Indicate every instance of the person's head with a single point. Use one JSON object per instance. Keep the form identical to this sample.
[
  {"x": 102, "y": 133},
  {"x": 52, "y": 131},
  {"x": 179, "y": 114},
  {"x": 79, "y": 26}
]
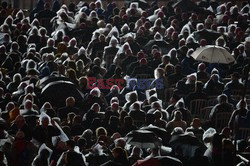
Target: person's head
[
  {"x": 70, "y": 102},
  {"x": 114, "y": 121},
  {"x": 119, "y": 153},
  {"x": 242, "y": 104},
  {"x": 128, "y": 121},
  {"x": 19, "y": 121},
  {"x": 70, "y": 144},
  {"x": 196, "y": 123},
  {"x": 45, "y": 121},
  {"x": 199, "y": 86},
  {"x": 120, "y": 142},
  {"x": 177, "y": 131},
  {"x": 217, "y": 141},
  {"x": 28, "y": 105},
  {"x": 114, "y": 100},
  {"x": 17, "y": 78},
  {"x": 101, "y": 131},
  {"x": 77, "y": 119},
  {"x": 95, "y": 92},
  {"x": 133, "y": 97},
  {"x": 20, "y": 135},
  {"x": 136, "y": 151},
  {"x": 135, "y": 106},
  {"x": 156, "y": 105},
  {"x": 96, "y": 107},
  {"x": 87, "y": 134},
  {"x": 177, "y": 115},
  {"x": 115, "y": 106},
  {"x": 44, "y": 154},
  {"x": 10, "y": 106},
  {"x": 50, "y": 42},
  {"x": 159, "y": 72},
  {"x": 235, "y": 76},
  {"x": 166, "y": 59},
  {"x": 222, "y": 98},
  {"x": 158, "y": 114}
]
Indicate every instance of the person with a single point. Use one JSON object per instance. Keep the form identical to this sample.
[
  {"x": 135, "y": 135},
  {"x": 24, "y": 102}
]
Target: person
[
  {"x": 176, "y": 122},
  {"x": 70, "y": 107},
  {"x": 21, "y": 125},
  {"x": 71, "y": 157},
  {"x": 42, "y": 159},
  {"x": 241, "y": 111},
  {"x": 135, "y": 155},
  {"x": 196, "y": 128},
  {"x": 43, "y": 133},
  {"x": 214, "y": 86},
  {"x": 119, "y": 158},
  {"x": 198, "y": 94},
  {"x": 222, "y": 106}
]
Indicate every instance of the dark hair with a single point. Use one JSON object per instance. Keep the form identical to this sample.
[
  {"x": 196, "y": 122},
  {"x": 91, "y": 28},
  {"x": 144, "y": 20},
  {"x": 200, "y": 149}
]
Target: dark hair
[{"x": 71, "y": 143}]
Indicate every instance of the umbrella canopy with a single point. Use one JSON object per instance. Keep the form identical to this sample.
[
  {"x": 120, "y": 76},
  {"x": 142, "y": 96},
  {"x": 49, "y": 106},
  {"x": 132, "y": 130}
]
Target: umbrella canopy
[
  {"x": 213, "y": 54},
  {"x": 185, "y": 5},
  {"x": 57, "y": 92},
  {"x": 187, "y": 143},
  {"x": 163, "y": 45},
  {"x": 160, "y": 132},
  {"x": 159, "y": 161},
  {"x": 207, "y": 34},
  {"x": 142, "y": 3},
  {"x": 44, "y": 81},
  {"x": 143, "y": 139}
]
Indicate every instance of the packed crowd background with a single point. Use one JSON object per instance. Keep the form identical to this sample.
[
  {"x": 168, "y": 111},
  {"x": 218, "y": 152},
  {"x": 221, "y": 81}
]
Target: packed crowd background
[{"x": 90, "y": 85}]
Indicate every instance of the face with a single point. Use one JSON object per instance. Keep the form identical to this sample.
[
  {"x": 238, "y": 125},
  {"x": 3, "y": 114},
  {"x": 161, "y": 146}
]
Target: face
[{"x": 45, "y": 122}]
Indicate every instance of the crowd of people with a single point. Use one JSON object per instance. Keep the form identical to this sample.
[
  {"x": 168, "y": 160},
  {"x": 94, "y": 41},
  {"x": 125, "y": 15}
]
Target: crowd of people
[{"x": 132, "y": 67}]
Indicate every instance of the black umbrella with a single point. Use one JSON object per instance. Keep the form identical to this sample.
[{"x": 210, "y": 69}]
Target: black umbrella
[
  {"x": 142, "y": 3},
  {"x": 207, "y": 34},
  {"x": 168, "y": 161},
  {"x": 187, "y": 143},
  {"x": 159, "y": 161},
  {"x": 185, "y": 5},
  {"x": 163, "y": 45},
  {"x": 57, "y": 92},
  {"x": 160, "y": 132},
  {"x": 143, "y": 139},
  {"x": 52, "y": 78}
]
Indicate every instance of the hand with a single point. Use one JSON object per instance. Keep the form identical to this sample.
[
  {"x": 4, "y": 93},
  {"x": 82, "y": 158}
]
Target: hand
[{"x": 53, "y": 122}]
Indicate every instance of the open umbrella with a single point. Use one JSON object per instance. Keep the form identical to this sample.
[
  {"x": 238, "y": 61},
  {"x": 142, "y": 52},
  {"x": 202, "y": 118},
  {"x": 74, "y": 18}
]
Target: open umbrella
[
  {"x": 57, "y": 92},
  {"x": 44, "y": 81},
  {"x": 162, "y": 44},
  {"x": 160, "y": 132},
  {"x": 187, "y": 143},
  {"x": 143, "y": 139},
  {"x": 185, "y": 5},
  {"x": 209, "y": 35},
  {"x": 142, "y": 3},
  {"x": 213, "y": 54}
]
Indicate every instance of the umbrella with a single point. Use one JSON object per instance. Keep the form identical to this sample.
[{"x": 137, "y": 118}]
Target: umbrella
[
  {"x": 213, "y": 54},
  {"x": 163, "y": 45},
  {"x": 143, "y": 139},
  {"x": 207, "y": 34},
  {"x": 57, "y": 92},
  {"x": 185, "y": 5},
  {"x": 142, "y": 3},
  {"x": 160, "y": 132},
  {"x": 44, "y": 81},
  {"x": 188, "y": 144},
  {"x": 159, "y": 161}
]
